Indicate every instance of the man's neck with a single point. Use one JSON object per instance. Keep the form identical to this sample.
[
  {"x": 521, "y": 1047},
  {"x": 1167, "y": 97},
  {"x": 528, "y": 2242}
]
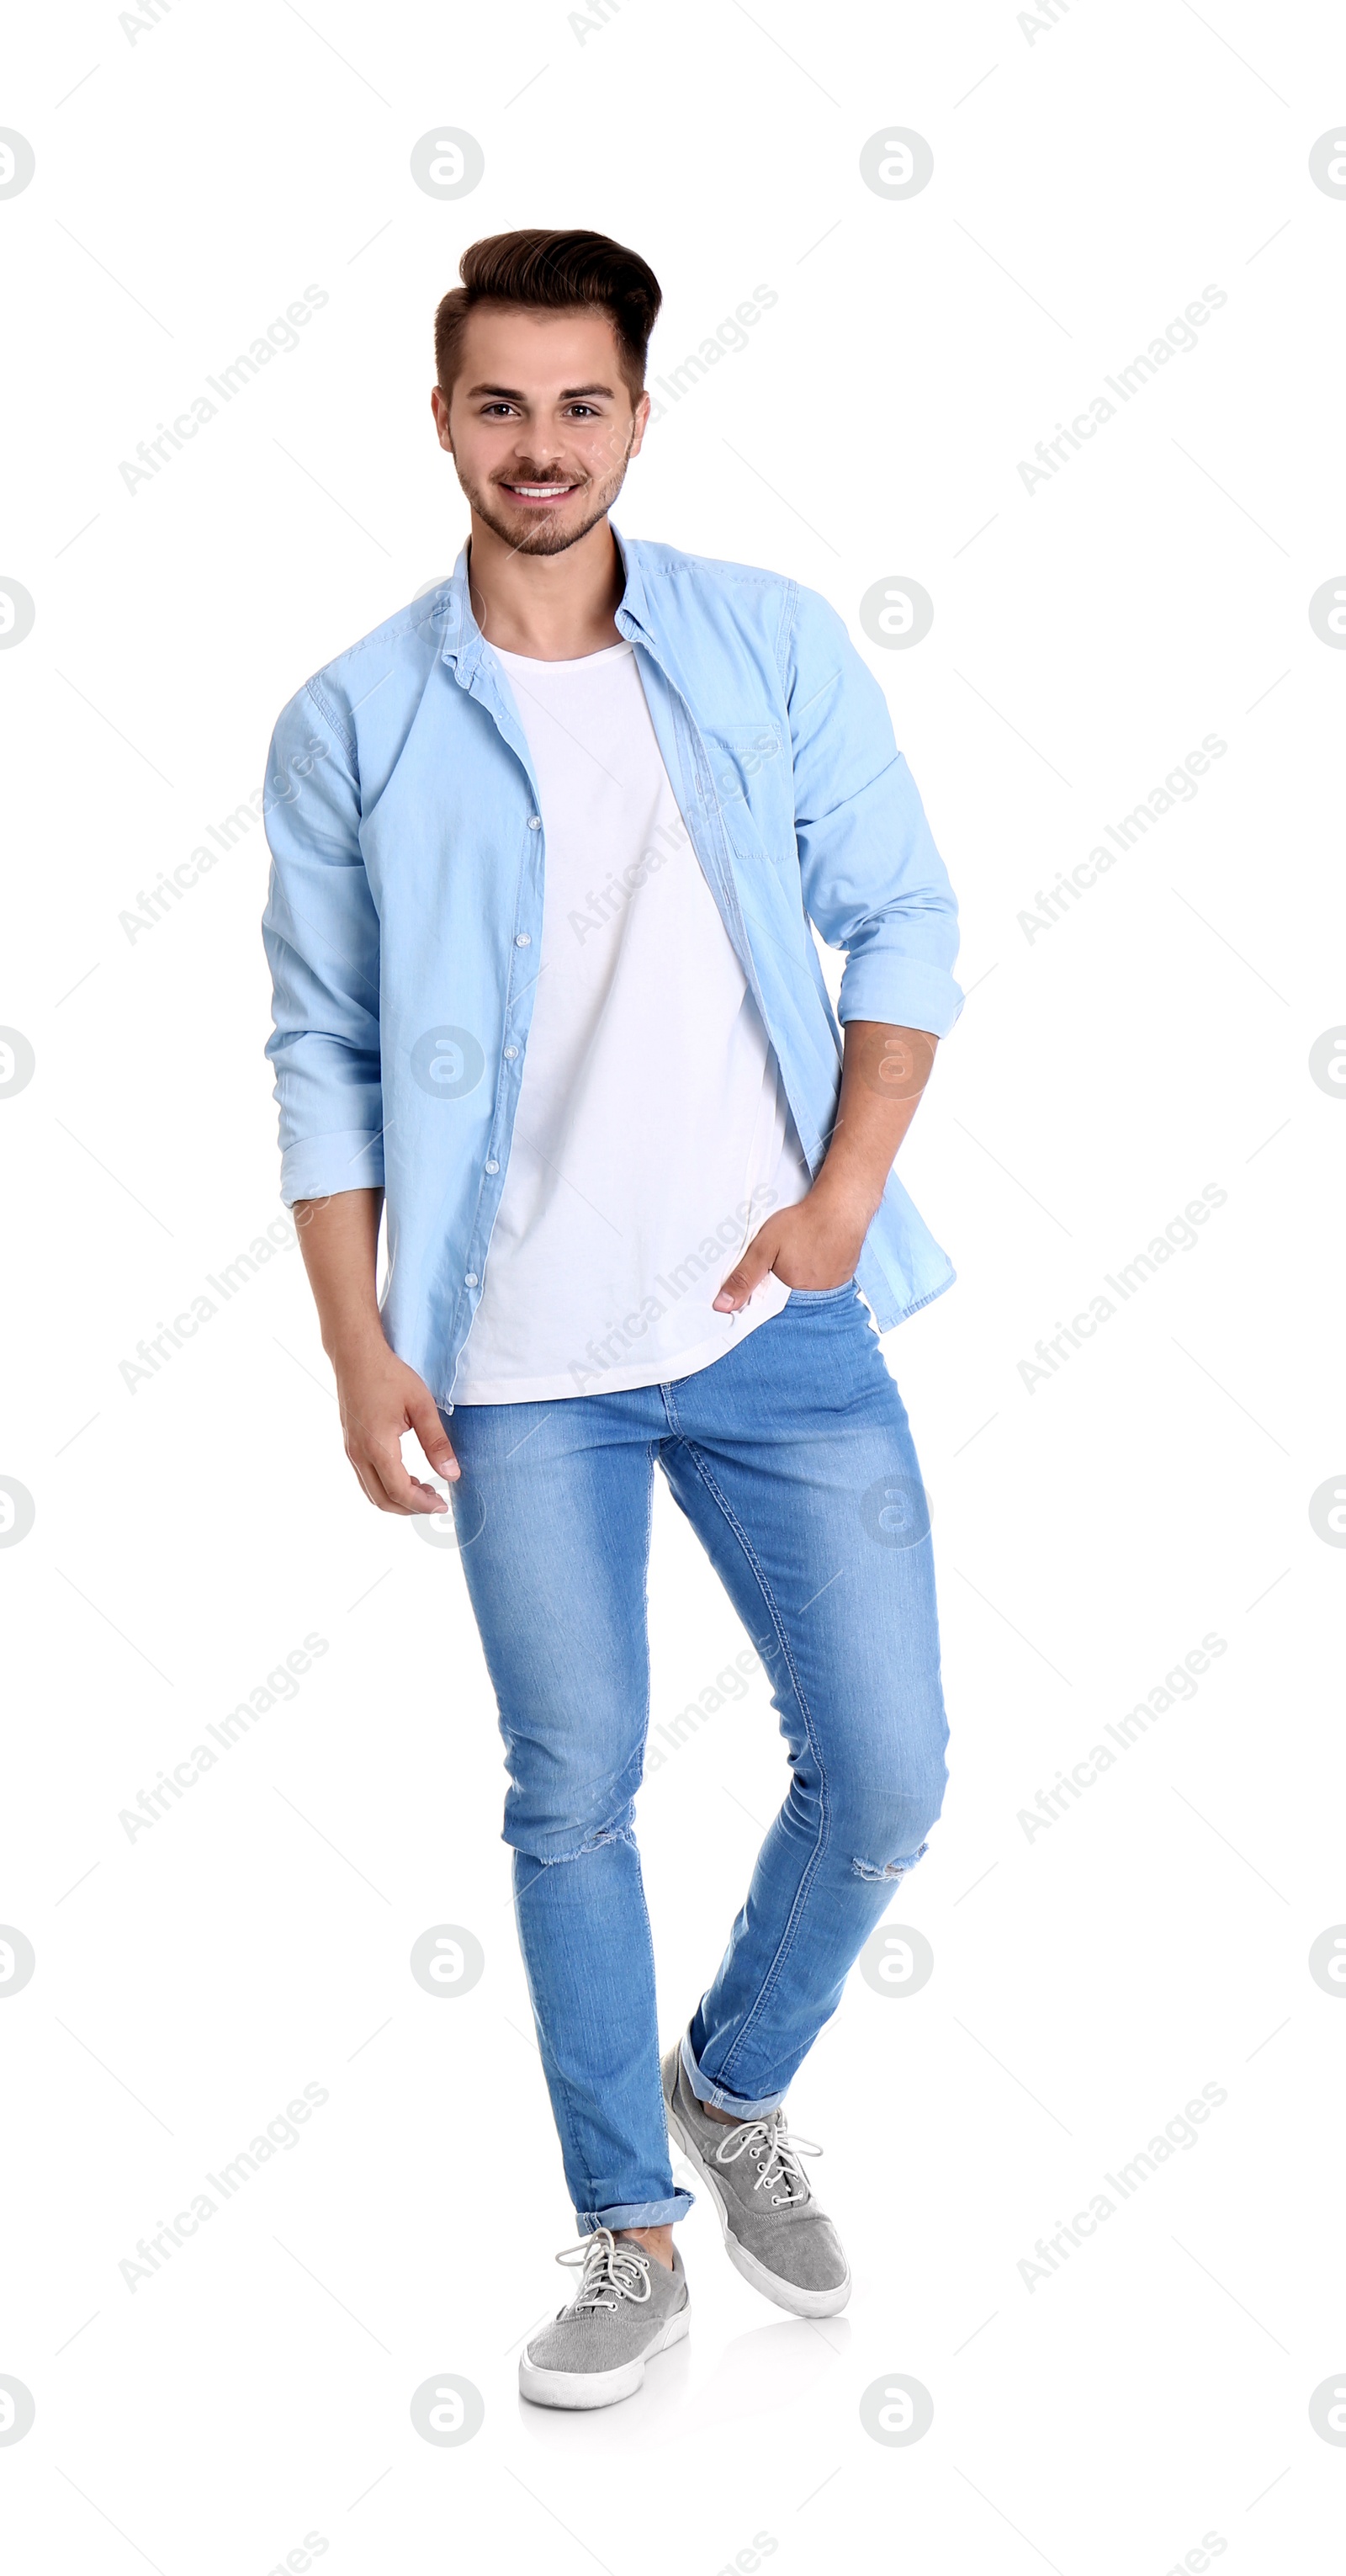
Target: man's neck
[{"x": 553, "y": 608}]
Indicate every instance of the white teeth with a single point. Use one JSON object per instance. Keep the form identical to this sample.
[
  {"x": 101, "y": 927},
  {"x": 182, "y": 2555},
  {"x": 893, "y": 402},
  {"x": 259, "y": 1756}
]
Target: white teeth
[{"x": 541, "y": 491}]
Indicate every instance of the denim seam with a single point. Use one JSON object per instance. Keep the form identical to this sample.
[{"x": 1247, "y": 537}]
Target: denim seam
[
  {"x": 812, "y": 1865},
  {"x": 929, "y": 1298},
  {"x": 658, "y": 2083},
  {"x": 652, "y": 1448},
  {"x": 625, "y": 1834},
  {"x": 570, "y": 2145},
  {"x": 332, "y": 721},
  {"x": 782, "y": 642}
]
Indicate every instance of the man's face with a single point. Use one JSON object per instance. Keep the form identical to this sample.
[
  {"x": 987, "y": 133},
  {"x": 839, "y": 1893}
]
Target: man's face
[{"x": 540, "y": 424}]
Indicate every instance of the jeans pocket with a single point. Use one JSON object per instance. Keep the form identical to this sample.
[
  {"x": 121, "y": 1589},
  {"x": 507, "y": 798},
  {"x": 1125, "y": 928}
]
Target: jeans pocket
[{"x": 823, "y": 1296}]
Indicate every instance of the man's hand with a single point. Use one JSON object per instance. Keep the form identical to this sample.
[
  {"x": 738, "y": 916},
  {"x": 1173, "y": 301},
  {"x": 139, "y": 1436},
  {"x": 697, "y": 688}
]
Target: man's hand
[
  {"x": 813, "y": 1245},
  {"x": 380, "y": 1397},
  {"x": 818, "y": 1243}
]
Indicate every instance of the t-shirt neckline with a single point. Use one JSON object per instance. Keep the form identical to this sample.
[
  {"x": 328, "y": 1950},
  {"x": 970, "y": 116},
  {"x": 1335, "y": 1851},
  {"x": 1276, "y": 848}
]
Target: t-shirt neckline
[{"x": 581, "y": 661}]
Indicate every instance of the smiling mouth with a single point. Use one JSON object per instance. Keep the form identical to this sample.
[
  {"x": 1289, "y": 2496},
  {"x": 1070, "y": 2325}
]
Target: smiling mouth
[{"x": 539, "y": 492}]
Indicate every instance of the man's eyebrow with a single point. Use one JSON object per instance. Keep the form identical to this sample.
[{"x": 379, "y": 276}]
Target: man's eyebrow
[{"x": 510, "y": 393}]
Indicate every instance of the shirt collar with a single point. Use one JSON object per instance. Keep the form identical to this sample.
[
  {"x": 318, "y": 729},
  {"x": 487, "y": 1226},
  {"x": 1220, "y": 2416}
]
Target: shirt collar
[
  {"x": 632, "y": 608},
  {"x": 460, "y": 626}
]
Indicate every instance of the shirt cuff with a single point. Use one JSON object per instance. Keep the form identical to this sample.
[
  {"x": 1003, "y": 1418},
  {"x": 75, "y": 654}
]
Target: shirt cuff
[
  {"x": 901, "y": 992},
  {"x": 320, "y": 1167}
]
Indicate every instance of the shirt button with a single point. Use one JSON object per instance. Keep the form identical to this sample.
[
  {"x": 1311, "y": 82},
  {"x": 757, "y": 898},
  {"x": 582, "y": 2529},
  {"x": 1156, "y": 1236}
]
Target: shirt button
[
  {"x": 493, "y": 1167},
  {"x": 510, "y": 1053},
  {"x": 469, "y": 1279},
  {"x": 535, "y": 822},
  {"x": 522, "y": 940}
]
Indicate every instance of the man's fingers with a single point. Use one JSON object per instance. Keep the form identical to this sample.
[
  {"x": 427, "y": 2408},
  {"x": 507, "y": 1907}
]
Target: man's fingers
[
  {"x": 747, "y": 1274},
  {"x": 374, "y": 1469},
  {"x": 409, "y": 1494},
  {"x": 375, "y": 1419},
  {"x": 380, "y": 1470},
  {"x": 434, "y": 1439}
]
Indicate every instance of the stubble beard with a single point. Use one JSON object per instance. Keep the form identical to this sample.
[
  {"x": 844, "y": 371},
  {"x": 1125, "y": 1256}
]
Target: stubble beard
[{"x": 541, "y": 536}]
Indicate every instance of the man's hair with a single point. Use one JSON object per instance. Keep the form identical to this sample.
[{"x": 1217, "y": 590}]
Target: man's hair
[{"x": 550, "y": 272}]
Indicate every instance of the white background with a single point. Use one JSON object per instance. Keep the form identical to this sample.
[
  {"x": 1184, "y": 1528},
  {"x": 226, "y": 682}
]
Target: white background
[{"x": 1090, "y": 178}]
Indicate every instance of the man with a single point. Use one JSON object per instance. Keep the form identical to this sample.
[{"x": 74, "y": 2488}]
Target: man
[{"x": 548, "y": 846}]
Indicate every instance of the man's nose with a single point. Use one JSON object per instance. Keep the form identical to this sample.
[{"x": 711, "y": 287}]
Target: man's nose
[{"x": 539, "y": 447}]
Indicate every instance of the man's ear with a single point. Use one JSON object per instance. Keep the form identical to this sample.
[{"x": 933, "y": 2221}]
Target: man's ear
[{"x": 441, "y": 425}]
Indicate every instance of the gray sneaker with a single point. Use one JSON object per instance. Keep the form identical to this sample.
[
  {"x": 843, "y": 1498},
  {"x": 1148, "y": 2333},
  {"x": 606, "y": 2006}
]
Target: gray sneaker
[
  {"x": 774, "y": 2232},
  {"x": 627, "y": 2308}
]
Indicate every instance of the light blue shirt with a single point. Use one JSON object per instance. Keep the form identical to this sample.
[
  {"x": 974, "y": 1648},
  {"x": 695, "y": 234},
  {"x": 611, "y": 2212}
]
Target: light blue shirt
[{"x": 404, "y": 919}]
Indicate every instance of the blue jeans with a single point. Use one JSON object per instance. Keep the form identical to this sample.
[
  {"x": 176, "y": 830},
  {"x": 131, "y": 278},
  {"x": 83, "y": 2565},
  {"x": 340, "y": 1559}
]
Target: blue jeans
[{"x": 792, "y": 1458}]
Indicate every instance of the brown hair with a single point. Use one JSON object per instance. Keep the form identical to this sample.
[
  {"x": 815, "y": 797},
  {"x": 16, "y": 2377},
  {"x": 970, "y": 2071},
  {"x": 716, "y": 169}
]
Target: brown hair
[{"x": 550, "y": 271}]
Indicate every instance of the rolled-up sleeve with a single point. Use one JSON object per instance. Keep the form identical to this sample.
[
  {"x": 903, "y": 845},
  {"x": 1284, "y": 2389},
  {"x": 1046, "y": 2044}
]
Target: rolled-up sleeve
[
  {"x": 873, "y": 881},
  {"x": 320, "y": 930}
]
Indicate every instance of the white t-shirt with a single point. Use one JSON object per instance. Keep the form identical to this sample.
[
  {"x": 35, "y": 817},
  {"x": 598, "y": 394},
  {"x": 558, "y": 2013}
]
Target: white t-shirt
[{"x": 652, "y": 1135}]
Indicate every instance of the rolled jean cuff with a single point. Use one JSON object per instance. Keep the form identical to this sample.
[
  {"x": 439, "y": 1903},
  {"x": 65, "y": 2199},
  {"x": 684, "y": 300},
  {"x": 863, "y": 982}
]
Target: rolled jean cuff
[
  {"x": 716, "y": 2095},
  {"x": 635, "y": 2213}
]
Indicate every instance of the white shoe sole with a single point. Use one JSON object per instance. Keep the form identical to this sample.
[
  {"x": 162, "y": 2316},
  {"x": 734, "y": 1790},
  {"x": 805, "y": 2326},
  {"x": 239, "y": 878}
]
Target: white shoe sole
[
  {"x": 784, "y": 2294},
  {"x": 578, "y": 2389}
]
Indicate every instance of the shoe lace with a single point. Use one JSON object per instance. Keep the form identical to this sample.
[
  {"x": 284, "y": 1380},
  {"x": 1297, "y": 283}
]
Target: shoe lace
[
  {"x": 610, "y": 2271},
  {"x": 769, "y": 2143}
]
